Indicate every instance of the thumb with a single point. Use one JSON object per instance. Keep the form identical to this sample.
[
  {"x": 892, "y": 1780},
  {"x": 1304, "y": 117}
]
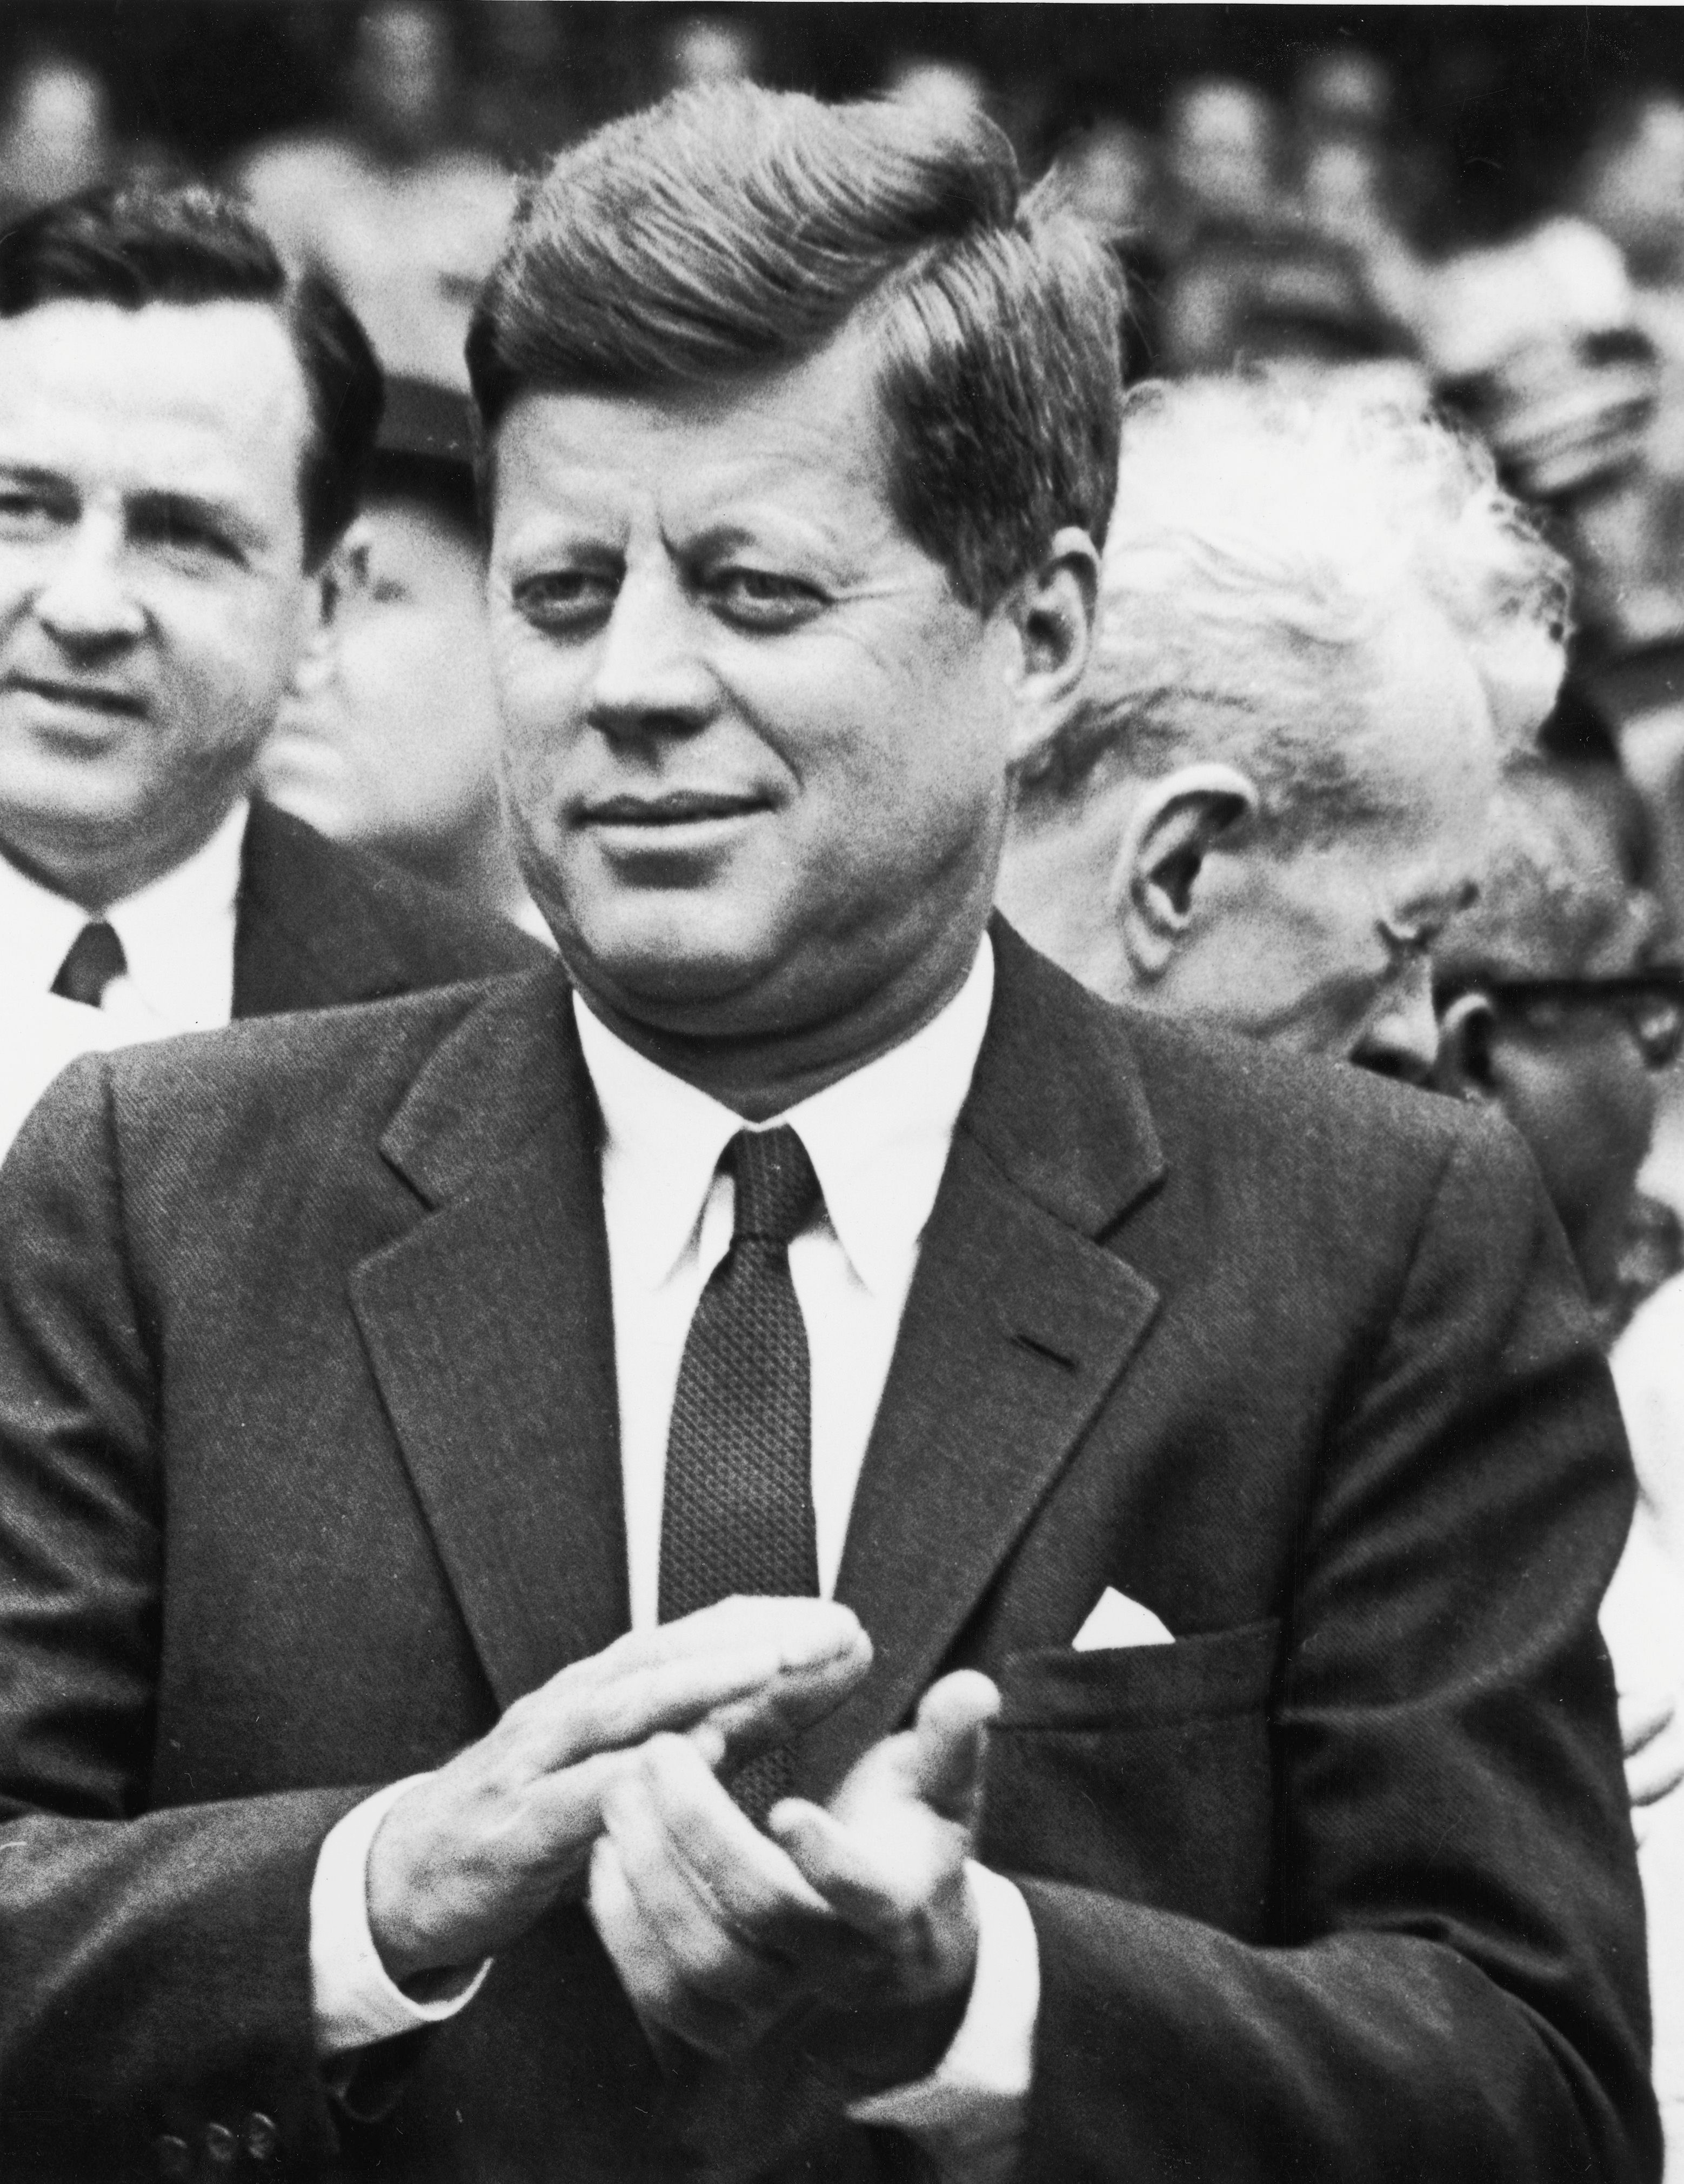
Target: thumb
[{"x": 950, "y": 1740}]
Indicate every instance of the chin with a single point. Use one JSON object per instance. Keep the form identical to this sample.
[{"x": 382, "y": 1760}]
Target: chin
[{"x": 663, "y": 968}]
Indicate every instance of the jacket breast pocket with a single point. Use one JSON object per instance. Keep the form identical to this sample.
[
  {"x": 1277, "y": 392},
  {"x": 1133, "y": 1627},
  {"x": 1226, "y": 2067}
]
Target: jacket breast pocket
[{"x": 1144, "y": 1771}]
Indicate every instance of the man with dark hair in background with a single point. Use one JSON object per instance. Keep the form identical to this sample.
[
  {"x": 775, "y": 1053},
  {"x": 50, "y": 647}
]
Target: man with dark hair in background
[
  {"x": 1222, "y": 1429},
  {"x": 390, "y": 739},
  {"x": 183, "y": 432}
]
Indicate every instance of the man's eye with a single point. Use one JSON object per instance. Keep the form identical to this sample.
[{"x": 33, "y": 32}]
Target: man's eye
[
  {"x": 566, "y": 601},
  {"x": 762, "y": 598},
  {"x": 24, "y": 512},
  {"x": 185, "y": 539}
]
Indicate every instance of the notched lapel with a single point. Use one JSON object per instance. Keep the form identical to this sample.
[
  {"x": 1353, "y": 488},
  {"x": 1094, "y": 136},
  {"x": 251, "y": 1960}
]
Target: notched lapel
[
  {"x": 1019, "y": 1323},
  {"x": 489, "y": 1327}
]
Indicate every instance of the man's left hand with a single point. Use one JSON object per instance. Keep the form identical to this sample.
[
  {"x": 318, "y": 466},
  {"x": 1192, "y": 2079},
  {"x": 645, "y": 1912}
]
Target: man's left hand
[{"x": 858, "y": 1917}]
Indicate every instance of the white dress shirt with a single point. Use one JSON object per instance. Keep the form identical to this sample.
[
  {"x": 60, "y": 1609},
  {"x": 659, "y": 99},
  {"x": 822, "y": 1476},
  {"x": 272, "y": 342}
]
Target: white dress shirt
[
  {"x": 177, "y": 936},
  {"x": 39, "y": 1035},
  {"x": 878, "y": 1141}
]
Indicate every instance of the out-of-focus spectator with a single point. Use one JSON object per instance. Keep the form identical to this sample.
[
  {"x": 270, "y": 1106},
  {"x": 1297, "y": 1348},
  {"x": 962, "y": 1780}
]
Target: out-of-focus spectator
[
  {"x": 183, "y": 432},
  {"x": 942, "y": 89},
  {"x": 401, "y": 212},
  {"x": 390, "y": 738},
  {"x": 523, "y": 103},
  {"x": 702, "y": 49},
  {"x": 1556, "y": 1011},
  {"x": 55, "y": 133},
  {"x": 1322, "y": 620}
]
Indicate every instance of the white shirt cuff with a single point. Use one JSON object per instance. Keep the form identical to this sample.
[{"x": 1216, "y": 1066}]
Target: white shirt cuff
[
  {"x": 355, "y": 2002},
  {"x": 968, "y": 2113}
]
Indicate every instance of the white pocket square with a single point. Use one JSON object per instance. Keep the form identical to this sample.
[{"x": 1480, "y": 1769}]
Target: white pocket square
[{"x": 1117, "y": 1620}]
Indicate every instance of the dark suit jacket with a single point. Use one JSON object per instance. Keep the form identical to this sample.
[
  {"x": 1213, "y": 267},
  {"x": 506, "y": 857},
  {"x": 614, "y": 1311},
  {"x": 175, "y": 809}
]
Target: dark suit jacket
[
  {"x": 317, "y": 923},
  {"x": 309, "y": 1423}
]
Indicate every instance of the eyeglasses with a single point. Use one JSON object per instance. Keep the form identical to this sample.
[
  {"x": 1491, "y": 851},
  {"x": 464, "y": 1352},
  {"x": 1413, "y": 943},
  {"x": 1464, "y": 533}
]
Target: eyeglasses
[{"x": 1651, "y": 1003}]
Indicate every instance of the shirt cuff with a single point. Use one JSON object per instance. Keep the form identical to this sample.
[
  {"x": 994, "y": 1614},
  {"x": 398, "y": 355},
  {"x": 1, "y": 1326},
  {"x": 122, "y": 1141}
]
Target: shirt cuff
[
  {"x": 968, "y": 2113},
  {"x": 355, "y": 2000}
]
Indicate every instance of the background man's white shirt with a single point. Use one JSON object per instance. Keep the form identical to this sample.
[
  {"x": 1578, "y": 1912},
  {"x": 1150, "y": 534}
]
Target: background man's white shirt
[{"x": 177, "y": 936}]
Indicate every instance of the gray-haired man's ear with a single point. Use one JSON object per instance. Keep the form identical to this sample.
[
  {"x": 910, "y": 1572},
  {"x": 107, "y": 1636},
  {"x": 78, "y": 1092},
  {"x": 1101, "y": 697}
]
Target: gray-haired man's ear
[
  {"x": 1466, "y": 1067},
  {"x": 1171, "y": 831},
  {"x": 340, "y": 582}
]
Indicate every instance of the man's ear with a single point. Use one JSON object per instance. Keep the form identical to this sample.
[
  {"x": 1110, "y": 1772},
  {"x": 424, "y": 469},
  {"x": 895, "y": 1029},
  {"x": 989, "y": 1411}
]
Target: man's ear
[
  {"x": 337, "y": 586},
  {"x": 1466, "y": 1067},
  {"x": 1159, "y": 862},
  {"x": 1053, "y": 611}
]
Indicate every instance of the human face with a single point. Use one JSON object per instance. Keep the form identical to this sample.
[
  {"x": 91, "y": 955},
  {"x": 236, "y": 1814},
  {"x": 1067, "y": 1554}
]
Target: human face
[
  {"x": 153, "y": 599},
  {"x": 1575, "y": 1080},
  {"x": 1327, "y": 947},
  {"x": 397, "y": 746},
  {"x": 756, "y": 747}
]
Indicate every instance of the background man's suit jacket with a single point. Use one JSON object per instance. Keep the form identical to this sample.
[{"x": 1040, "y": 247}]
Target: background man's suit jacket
[
  {"x": 307, "y": 1422},
  {"x": 317, "y": 923}
]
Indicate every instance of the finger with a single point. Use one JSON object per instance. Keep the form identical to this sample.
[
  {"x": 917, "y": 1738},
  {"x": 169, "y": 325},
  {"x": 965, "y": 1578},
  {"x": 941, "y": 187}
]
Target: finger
[
  {"x": 1648, "y": 1788},
  {"x": 655, "y": 1982},
  {"x": 561, "y": 1722},
  {"x": 949, "y": 1742},
  {"x": 798, "y": 1632},
  {"x": 869, "y": 1892},
  {"x": 723, "y": 1895}
]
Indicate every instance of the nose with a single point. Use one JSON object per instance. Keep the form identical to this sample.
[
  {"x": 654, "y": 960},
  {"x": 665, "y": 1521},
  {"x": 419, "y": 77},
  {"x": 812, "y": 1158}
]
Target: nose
[
  {"x": 84, "y": 602},
  {"x": 651, "y": 675},
  {"x": 1401, "y": 1038}
]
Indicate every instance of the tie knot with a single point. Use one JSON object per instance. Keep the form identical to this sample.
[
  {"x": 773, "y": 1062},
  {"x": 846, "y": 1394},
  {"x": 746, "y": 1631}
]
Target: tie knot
[
  {"x": 96, "y": 957},
  {"x": 776, "y": 1187}
]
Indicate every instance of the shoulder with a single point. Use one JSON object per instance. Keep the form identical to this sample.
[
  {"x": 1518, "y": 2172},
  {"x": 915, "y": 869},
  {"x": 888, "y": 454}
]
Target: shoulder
[
  {"x": 320, "y": 888},
  {"x": 1248, "y": 1139}
]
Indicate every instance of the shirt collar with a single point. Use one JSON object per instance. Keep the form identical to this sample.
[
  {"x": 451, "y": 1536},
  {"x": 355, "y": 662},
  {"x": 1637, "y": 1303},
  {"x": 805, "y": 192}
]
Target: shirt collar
[
  {"x": 166, "y": 929},
  {"x": 878, "y": 1139}
]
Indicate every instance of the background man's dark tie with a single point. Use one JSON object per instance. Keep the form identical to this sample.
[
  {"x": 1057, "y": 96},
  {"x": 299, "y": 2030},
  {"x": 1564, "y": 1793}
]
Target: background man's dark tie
[
  {"x": 95, "y": 959},
  {"x": 738, "y": 1514}
]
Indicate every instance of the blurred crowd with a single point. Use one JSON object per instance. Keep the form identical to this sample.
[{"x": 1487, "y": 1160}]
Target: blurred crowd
[{"x": 1302, "y": 233}]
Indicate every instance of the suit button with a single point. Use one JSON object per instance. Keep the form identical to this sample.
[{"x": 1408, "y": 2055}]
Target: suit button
[
  {"x": 262, "y": 2138},
  {"x": 175, "y": 2156},
  {"x": 220, "y": 2144}
]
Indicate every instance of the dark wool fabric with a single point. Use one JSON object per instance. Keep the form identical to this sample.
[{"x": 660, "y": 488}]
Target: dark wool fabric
[{"x": 738, "y": 1514}]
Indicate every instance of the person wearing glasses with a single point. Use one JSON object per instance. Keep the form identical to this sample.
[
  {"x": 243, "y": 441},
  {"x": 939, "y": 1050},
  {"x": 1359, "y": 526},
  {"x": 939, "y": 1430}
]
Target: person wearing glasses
[{"x": 1559, "y": 1007}]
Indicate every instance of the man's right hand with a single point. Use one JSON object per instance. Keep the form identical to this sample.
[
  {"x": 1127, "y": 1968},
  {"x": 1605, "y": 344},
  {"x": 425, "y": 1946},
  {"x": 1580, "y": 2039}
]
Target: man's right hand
[{"x": 472, "y": 1855}]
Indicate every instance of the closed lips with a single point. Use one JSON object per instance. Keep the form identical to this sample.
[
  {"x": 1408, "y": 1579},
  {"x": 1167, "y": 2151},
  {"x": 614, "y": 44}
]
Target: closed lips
[
  {"x": 95, "y": 696},
  {"x": 675, "y": 809}
]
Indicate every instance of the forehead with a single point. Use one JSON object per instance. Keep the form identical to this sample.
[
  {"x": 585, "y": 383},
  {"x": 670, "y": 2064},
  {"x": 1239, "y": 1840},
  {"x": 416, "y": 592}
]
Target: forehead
[
  {"x": 205, "y": 398},
  {"x": 801, "y": 446}
]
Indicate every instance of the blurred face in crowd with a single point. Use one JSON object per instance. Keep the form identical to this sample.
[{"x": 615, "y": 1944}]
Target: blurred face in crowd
[
  {"x": 756, "y": 745},
  {"x": 154, "y": 598},
  {"x": 1573, "y": 1070},
  {"x": 1173, "y": 889},
  {"x": 394, "y": 742}
]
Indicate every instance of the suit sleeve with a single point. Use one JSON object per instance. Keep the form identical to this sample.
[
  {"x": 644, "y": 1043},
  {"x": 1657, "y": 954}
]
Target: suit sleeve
[
  {"x": 154, "y": 1969},
  {"x": 1455, "y": 1985}
]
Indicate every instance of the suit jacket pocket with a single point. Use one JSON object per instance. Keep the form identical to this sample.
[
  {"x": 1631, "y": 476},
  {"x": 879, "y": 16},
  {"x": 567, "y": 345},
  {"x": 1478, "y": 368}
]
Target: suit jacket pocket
[{"x": 1144, "y": 1771}]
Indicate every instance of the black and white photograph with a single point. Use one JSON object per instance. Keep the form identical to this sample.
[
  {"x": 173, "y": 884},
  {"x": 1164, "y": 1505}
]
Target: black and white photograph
[{"x": 841, "y": 1119}]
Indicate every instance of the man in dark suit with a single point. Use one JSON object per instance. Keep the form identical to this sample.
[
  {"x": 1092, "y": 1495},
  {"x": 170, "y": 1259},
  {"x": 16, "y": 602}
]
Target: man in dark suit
[
  {"x": 1210, "y": 1446},
  {"x": 183, "y": 430}
]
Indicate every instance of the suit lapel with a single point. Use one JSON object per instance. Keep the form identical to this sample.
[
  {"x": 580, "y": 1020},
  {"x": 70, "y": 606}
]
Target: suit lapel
[
  {"x": 489, "y": 1327},
  {"x": 1018, "y": 1325}
]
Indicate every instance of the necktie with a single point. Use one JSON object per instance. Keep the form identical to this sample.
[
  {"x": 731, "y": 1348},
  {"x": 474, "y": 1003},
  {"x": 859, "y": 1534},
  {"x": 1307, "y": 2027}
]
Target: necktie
[
  {"x": 95, "y": 958},
  {"x": 738, "y": 1512}
]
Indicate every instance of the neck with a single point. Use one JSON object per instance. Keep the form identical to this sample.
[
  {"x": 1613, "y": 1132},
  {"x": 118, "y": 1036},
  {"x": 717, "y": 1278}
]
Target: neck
[
  {"x": 101, "y": 872},
  {"x": 762, "y": 1074}
]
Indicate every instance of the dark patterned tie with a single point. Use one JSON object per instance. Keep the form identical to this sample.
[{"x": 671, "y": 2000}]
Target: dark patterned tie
[
  {"x": 738, "y": 1513},
  {"x": 95, "y": 958}
]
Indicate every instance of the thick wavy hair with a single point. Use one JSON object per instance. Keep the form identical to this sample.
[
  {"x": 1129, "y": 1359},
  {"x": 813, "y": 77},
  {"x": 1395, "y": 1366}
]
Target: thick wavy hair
[
  {"x": 729, "y": 231},
  {"x": 143, "y": 244},
  {"x": 1265, "y": 530}
]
